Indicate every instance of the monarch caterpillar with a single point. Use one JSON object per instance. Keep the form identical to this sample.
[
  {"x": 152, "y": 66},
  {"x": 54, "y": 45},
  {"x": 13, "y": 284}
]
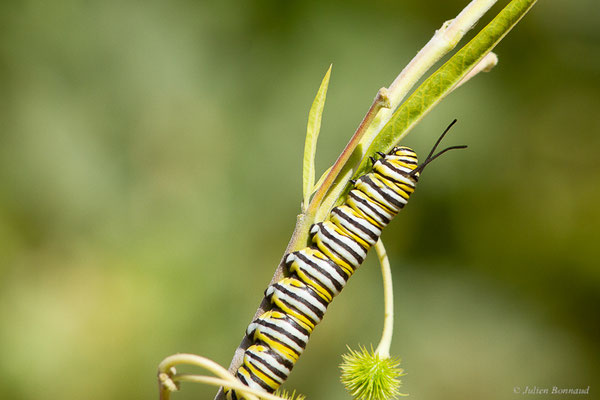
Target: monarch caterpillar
[{"x": 317, "y": 273}]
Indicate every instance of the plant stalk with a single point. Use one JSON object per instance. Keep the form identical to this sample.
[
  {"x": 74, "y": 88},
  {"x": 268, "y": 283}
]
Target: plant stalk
[{"x": 383, "y": 348}]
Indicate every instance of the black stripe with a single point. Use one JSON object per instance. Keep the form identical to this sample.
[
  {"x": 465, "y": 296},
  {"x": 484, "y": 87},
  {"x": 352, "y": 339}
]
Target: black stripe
[
  {"x": 285, "y": 333},
  {"x": 393, "y": 186},
  {"x": 340, "y": 271},
  {"x": 358, "y": 226},
  {"x": 315, "y": 294},
  {"x": 336, "y": 267},
  {"x": 349, "y": 231},
  {"x": 260, "y": 382},
  {"x": 293, "y": 295},
  {"x": 286, "y": 363},
  {"x": 258, "y": 361},
  {"x": 292, "y": 321},
  {"x": 370, "y": 207},
  {"x": 398, "y": 171},
  {"x": 406, "y": 160},
  {"x": 288, "y": 304},
  {"x": 342, "y": 245},
  {"x": 342, "y": 232},
  {"x": 312, "y": 280},
  {"x": 367, "y": 180},
  {"x": 241, "y": 377},
  {"x": 413, "y": 159},
  {"x": 411, "y": 182},
  {"x": 287, "y": 346}
]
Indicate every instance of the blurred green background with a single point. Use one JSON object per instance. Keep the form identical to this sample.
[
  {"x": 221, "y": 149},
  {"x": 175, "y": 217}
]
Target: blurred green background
[{"x": 150, "y": 163}]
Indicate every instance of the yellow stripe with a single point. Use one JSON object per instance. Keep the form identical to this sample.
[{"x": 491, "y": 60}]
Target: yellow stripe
[
  {"x": 348, "y": 268},
  {"x": 348, "y": 233},
  {"x": 320, "y": 289},
  {"x": 350, "y": 204},
  {"x": 403, "y": 164},
  {"x": 293, "y": 312},
  {"x": 285, "y": 351}
]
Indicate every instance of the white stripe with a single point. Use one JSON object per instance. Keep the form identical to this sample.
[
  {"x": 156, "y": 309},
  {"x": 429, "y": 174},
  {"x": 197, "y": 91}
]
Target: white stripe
[
  {"x": 262, "y": 359},
  {"x": 371, "y": 192},
  {"x": 286, "y": 326},
  {"x": 279, "y": 295},
  {"x": 365, "y": 210},
  {"x": 351, "y": 214},
  {"x": 338, "y": 234},
  {"x": 395, "y": 175},
  {"x": 390, "y": 190},
  {"x": 336, "y": 248}
]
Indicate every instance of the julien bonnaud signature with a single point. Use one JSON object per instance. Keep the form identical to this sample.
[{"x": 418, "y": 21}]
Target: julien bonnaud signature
[{"x": 551, "y": 390}]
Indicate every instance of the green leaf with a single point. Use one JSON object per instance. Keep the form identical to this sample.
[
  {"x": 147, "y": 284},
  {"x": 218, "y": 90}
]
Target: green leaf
[
  {"x": 312, "y": 134},
  {"x": 441, "y": 83}
]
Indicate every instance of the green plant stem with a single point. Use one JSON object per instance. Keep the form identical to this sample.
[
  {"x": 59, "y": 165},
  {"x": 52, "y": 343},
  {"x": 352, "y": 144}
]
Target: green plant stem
[{"x": 383, "y": 348}]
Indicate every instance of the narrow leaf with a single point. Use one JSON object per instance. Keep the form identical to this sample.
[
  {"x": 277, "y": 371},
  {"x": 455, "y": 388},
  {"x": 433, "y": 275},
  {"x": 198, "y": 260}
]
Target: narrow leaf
[{"x": 310, "y": 145}]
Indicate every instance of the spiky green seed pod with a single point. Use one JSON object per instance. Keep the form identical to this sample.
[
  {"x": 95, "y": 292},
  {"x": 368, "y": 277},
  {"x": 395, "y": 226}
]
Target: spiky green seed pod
[
  {"x": 368, "y": 376},
  {"x": 284, "y": 394}
]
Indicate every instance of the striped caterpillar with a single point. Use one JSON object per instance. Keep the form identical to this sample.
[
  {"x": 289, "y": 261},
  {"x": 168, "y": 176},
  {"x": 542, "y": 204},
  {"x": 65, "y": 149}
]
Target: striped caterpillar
[{"x": 317, "y": 273}]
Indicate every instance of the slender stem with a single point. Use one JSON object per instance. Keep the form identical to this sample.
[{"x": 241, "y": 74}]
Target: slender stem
[{"x": 383, "y": 348}]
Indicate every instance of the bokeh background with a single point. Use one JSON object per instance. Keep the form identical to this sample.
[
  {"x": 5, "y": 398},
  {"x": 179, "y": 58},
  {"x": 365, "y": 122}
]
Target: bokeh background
[{"x": 150, "y": 168}]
